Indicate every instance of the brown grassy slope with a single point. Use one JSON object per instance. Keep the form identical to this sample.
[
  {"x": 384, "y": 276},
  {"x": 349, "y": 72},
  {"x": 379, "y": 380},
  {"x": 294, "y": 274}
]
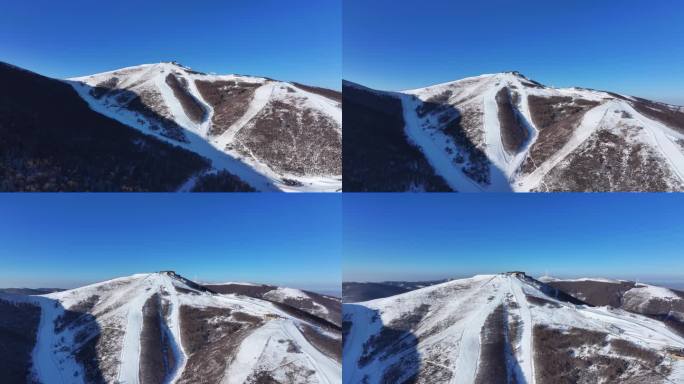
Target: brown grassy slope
[
  {"x": 556, "y": 119},
  {"x": 514, "y": 134},
  {"x": 192, "y": 107},
  {"x": 293, "y": 140},
  {"x": 229, "y": 99},
  {"x": 154, "y": 348},
  {"x": 607, "y": 162},
  {"x": 325, "y": 92},
  {"x": 492, "y": 361},
  {"x": 211, "y": 337},
  {"x": 673, "y": 118},
  {"x": 556, "y": 363}
]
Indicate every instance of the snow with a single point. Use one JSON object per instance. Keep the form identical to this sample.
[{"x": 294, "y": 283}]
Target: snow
[
  {"x": 172, "y": 327},
  {"x": 262, "y": 351},
  {"x": 130, "y": 352},
  {"x": 364, "y": 326},
  {"x": 663, "y": 139},
  {"x": 468, "y": 358},
  {"x": 644, "y": 291},
  {"x": 282, "y": 294},
  {"x": 480, "y": 90},
  {"x": 436, "y": 88},
  {"x": 286, "y": 293},
  {"x": 433, "y": 148},
  {"x": 597, "y": 279},
  {"x": 49, "y": 362},
  {"x": 526, "y": 355},
  {"x": 323, "y": 104},
  {"x": 236, "y": 283}
]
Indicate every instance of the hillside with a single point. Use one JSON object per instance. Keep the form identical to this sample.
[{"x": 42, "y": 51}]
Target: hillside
[
  {"x": 161, "y": 328},
  {"x": 504, "y": 132}
]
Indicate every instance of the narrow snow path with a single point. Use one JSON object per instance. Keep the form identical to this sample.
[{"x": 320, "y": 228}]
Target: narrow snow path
[
  {"x": 206, "y": 124},
  {"x": 45, "y": 363},
  {"x": 469, "y": 348},
  {"x": 590, "y": 123},
  {"x": 324, "y": 104},
  {"x": 174, "y": 328},
  {"x": 440, "y": 160},
  {"x": 670, "y": 150},
  {"x": 247, "y": 356},
  {"x": 502, "y": 164},
  {"x": 174, "y": 106},
  {"x": 261, "y": 97},
  {"x": 638, "y": 327},
  {"x": 191, "y": 182},
  {"x": 255, "y": 350},
  {"x": 364, "y": 325},
  {"x": 129, "y": 367},
  {"x": 327, "y": 370},
  {"x": 525, "y": 356}
]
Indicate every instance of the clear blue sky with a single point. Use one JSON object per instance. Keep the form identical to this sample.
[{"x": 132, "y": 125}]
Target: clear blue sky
[
  {"x": 413, "y": 237},
  {"x": 288, "y": 40},
  {"x": 631, "y": 46},
  {"x": 67, "y": 240}
]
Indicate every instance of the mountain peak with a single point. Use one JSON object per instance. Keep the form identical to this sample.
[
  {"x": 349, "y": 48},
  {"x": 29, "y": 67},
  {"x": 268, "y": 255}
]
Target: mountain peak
[
  {"x": 518, "y": 76},
  {"x": 176, "y": 64},
  {"x": 515, "y": 73},
  {"x": 515, "y": 273}
]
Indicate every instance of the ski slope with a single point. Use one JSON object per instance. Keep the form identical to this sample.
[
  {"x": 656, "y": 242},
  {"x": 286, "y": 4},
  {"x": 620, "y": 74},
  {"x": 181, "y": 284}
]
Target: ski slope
[
  {"x": 117, "y": 305},
  {"x": 475, "y": 98},
  {"x": 149, "y": 81},
  {"x": 445, "y": 324}
]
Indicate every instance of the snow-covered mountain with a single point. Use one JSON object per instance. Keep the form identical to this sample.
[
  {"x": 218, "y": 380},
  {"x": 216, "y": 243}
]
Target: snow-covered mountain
[
  {"x": 505, "y": 328},
  {"x": 163, "y": 328},
  {"x": 646, "y": 299},
  {"x": 271, "y": 134},
  {"x": 321, "y": 306},
  {"x": 505, "y": 132}
]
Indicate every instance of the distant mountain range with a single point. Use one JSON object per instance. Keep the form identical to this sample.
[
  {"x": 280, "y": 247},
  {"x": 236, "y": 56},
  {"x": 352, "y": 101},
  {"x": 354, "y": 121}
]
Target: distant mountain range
[
  {"x": 30, "y": 291},
  {"x": 356, "y": 291},
  {"x": 512, "y": 328},
  {"x": 165, "y": 127},
  {"x": 505, "y": 132},
  {"x": 161, "y": 328}
]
